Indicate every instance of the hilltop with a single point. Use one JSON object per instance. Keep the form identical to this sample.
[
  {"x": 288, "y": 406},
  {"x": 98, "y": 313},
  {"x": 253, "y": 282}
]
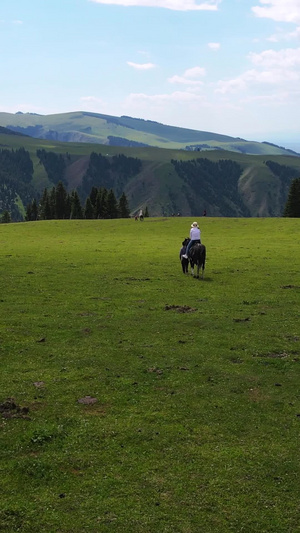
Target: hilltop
[{"x": 81, "y": 126}]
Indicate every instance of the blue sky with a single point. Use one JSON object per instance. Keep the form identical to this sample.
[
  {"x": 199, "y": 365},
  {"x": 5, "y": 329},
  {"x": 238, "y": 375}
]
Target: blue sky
[{"x": 227, "y": 66}]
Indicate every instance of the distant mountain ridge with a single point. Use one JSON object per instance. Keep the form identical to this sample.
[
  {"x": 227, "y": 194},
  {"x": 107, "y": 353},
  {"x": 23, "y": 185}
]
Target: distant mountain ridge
[
  {"x": 88, "y": 127},
  {"x": 7, "y": 131},
  {"x": 167, "y": 181}
]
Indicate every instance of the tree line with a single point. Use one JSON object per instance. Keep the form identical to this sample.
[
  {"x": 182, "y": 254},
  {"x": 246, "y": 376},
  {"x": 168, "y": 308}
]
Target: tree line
[
  {"x": 16, "y": 170},
  {"x": 17, "y": 188},
  {"x": 57, "y": 203},
  {"x": 292, "y": 206}
]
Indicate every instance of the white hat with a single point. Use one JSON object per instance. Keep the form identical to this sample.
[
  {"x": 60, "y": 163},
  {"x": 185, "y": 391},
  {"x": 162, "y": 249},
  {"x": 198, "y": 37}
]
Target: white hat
[{"x": 194, "y": 225}]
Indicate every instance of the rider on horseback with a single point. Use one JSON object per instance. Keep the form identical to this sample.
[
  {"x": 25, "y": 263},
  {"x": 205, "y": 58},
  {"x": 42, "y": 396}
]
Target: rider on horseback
[{"x": 194, "y": 236}]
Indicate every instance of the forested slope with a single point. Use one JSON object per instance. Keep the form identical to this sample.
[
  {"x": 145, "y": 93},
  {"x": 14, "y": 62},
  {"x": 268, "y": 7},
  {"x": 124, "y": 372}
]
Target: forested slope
[{"x": 167, "y": 181}]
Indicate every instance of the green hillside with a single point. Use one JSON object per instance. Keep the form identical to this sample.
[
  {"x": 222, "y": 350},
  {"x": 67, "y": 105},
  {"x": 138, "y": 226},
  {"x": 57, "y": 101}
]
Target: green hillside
[
  {"x": 127, "y": 131},
  {"x": 168, "y": 181}
]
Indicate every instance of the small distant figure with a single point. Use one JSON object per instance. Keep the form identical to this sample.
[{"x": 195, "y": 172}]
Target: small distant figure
[
  {"x": 184, "y": 261},
  {"x": 141, "y": 216},
  {"x": 136, "y": 217},
  {"x": 179, "y": 214},
  {"x": 204, "y": 213}
]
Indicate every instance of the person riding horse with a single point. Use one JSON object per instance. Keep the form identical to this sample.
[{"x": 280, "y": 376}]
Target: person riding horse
[{"x": 195, "y": 238}]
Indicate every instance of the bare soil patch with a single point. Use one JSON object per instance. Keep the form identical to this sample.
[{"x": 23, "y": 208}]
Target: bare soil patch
[
  {"x": 180, "y": 308},
  {"x": 10, "y": 409}
]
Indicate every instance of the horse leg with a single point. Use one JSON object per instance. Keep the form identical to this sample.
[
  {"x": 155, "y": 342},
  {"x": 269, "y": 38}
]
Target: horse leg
[{"x": 192, "y": 269}]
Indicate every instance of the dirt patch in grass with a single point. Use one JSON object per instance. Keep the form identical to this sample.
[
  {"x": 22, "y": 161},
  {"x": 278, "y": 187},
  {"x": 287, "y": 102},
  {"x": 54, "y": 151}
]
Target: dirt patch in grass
[
  {"x": 273, "y": 355},
  {"x": 256, "y": 395},
  {"x": 87, "y": 400},
  {"x": 294, "y": 338},
  {"x": 10, "y": 409},
  {"x": 86, "y": 331},
  {"x": 132, "y": 279},
  {"x": 180, "y": 308},
  {"x": 39, "y": 384},
  {"x": 155, "y": 370}
]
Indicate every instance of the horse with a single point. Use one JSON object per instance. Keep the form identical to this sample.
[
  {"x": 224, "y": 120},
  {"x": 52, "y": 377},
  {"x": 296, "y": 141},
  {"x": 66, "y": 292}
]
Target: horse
[
  {"x": 197, "y": 256},
  {"x": 184, "y": 261}
]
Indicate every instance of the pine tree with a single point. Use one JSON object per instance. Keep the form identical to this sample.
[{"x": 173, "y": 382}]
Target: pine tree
[
  {"x": 68, "y": 206},
  {"x": 47, "y": 210},
  {"x": 93, "y": 196},
  {"x": 76, "y": 209},
  {"x": 101, "y": 203},
  {"x": 123, "y": 207},
  {"x": 34, "y": 210},
  {"x": 44, "y": 207},
  {"x": 28, "y": 213},
  {"x": 60, "y": 201},
  {"x": 292, "y": 206},
  {"x": 5, "y": 218},
  {"x": 52, "y": 202},
  {"x": 112, "y": 205},
  {"x": 89, "y": 211}
]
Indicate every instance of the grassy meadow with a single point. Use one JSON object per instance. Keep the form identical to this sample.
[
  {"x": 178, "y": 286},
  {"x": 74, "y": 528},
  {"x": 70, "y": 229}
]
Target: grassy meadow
[{"x": 134, "y": 398}]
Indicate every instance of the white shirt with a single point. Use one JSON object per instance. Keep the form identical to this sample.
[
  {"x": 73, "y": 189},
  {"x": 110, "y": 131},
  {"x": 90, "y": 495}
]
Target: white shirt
[{"x": 195, "y": 234}]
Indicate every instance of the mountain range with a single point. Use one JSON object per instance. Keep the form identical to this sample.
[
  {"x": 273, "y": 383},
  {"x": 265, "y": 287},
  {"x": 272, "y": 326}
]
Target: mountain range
[
  {"x": 127, "y": 131},
  {"x": 178, "y": 170}
]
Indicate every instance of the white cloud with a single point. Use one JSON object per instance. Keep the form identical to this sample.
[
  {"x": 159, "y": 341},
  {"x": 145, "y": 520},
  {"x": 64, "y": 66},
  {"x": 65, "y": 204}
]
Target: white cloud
[
  {"x": 141, "y": 66},
  {"x": 214, "y": 46},
  {"x": 190, "y": 76},
  {"x": 176, "y": 5},
  {"x": 286, "y": 58},
  {"x": 272, "y": 67},
  {"x": 184, "y": 81},
  {"x": 17, "y": 22},
  {"x": 91, "y": 100},
  {"x": 279, "y": 10},
  {"x": 277, "y": 98},
  {"x": 194, "y": 72},
  {"x": 284, "y": 36},
  {"x": 161, "y": 99},
  {"x": 250, "y": 77},
  {"x": 231, "y": 86}
]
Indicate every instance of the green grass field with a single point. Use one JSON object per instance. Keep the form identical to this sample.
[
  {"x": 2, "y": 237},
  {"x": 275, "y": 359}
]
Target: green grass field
[{"x": 191, "y": 413}]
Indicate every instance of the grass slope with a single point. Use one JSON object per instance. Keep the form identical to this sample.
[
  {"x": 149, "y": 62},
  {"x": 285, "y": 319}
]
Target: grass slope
[
  {"x": 96, "y": 128},
  {"x": 196, "y": 420}
]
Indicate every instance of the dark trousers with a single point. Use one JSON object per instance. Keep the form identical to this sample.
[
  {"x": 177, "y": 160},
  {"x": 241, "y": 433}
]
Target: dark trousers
[{"x": 191, "y": 243}]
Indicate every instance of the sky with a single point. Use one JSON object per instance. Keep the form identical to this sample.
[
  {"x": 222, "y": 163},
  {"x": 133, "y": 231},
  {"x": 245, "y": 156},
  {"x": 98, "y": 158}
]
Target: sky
[{"x": 225, "y": 66}]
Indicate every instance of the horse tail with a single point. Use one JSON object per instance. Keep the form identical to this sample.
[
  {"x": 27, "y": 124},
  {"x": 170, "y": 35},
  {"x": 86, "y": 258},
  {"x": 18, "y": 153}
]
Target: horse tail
[{"x": 203, "y": 255}]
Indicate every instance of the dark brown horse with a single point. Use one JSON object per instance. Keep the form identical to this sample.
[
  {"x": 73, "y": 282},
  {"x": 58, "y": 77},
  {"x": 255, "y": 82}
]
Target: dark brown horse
[
  {"x": 197, "y": 256},
  {"x": 183, "y": 260}
]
